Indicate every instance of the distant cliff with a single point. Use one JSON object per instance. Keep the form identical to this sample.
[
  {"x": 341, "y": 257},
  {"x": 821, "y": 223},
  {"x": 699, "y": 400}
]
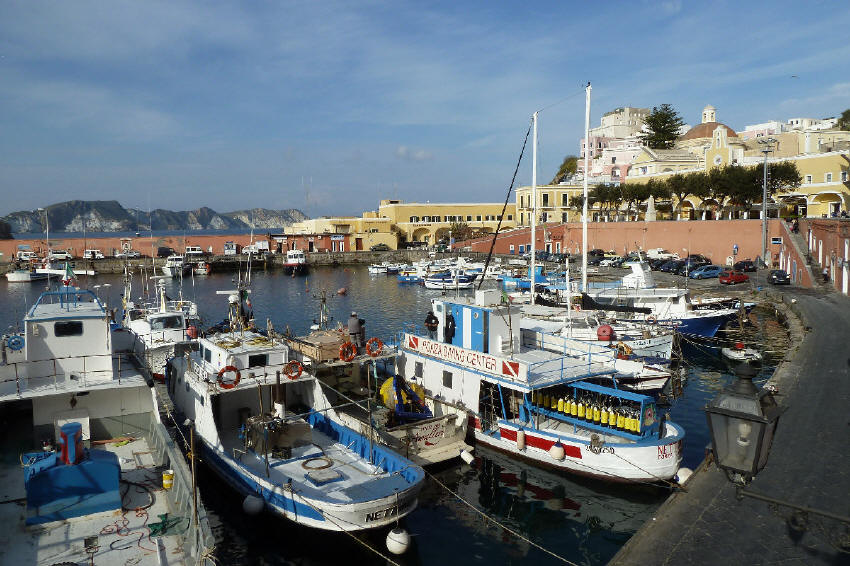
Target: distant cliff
[
  {"x": 5, "y": 231},
  {"x": 110, "y": 216}
]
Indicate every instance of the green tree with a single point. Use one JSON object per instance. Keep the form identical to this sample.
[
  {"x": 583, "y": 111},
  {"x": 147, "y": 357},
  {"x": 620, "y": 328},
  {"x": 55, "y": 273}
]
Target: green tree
[
  {"x": 633, "y": 194},
  {"x": 679, "y": 188},
  {"x": 663, "y": 124},
  {"x": 781, "y": 177},
  {"x": 567, "y": 169},
  {"x": 844, "y": 121},
  {"x": 461, "y": 231}
]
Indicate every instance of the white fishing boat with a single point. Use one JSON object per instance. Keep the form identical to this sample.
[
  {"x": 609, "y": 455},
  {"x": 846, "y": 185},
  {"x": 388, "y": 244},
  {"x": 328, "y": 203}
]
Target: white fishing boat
[
  {"x": 295, "y": 263},
  {"x": 175, "y": 266},
  {"x": 161, "y": 325},
  {"x": 740, "y": 353},
  {"x": 378, "y": 268},
  {"x": 424, "y": 429},
  {"x": 268, "y": 430},
  {"x": 529, "y": 399},
  {"x": 26, "y": 275},
  {"x": 448, "y": 280},
  {"x": 79, "y": 409},
  {"x": 201, "y": 267}
]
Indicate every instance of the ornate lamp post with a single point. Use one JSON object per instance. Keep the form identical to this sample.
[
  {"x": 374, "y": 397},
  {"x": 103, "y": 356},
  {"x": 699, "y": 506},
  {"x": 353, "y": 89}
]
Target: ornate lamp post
[{"x": 768, "y": 147}]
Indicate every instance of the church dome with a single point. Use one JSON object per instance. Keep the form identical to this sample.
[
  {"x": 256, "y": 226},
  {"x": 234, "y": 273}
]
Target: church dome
[{"x": 706, "y": 130}]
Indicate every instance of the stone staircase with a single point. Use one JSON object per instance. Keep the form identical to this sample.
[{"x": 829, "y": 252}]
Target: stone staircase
[{"x": 813, "y": 267}]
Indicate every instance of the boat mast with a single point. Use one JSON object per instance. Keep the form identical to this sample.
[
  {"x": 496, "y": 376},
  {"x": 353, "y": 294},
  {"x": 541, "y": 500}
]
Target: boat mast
[
  {"x": 533, "y": 204},
  {"x": 586, "y": 174}
]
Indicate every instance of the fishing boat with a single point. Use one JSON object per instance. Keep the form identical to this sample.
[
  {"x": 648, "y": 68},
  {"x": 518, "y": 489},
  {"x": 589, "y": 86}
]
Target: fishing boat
[
  {"x": 532, "y": 402},
  {"x": 269, "y": 431},
  {"x": 378, "y": 268},
  {"x": 89, "y": 452},
  {"x": 448, "y": 280},
  {"x": 740, "y": 353},
  {"x": 295, "y": 263},
  {"x": 24, "y": 275},
  {"x": 402, "y": 417},
  {"x": 175, "y": 266},
  {"x": 161, "y": 325},
  {"x": 201, "y": 267}
]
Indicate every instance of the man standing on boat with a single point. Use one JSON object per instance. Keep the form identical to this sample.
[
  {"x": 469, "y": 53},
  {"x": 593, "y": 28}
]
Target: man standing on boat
[
  {"x": 354, "y": 328},
  {"x": 450, "y": 328},
  {"x": 431, "y": 323}
]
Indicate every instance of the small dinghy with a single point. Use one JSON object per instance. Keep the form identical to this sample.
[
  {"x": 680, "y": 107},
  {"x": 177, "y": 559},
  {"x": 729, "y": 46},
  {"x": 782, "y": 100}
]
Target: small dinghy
[{"x": 740, "y": 353}]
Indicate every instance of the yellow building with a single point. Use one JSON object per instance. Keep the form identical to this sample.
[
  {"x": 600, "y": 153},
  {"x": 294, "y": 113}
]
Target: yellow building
[
  {"x": 553, "y": 204},
  {"x": 398, "y": 224}
]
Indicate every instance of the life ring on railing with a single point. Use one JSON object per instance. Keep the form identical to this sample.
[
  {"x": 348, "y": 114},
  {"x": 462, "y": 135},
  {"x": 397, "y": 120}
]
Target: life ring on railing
[
  {"x": 15, "y": 342},
  {"x": 229, "y": 384},
  {"x": 347, "y": 351},
  {"x": 293, "y": 369},
  {"x": 651, "y": 319},
  {"x": 374, "y": 347}
]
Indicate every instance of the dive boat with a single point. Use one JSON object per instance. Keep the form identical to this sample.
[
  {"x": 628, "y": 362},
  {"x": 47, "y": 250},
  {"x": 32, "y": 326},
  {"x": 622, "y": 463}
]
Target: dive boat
[
  {"x": 295, "y": 263},
  {"x": 532, "y": 402},
  {"x": 175, "y": 266},
  {"x": 79, "y": 407},
  {"x": 280, "y": 442}
]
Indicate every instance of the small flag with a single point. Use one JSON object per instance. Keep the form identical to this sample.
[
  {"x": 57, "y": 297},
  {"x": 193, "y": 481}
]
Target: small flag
[{"x": 69, "y": 276}]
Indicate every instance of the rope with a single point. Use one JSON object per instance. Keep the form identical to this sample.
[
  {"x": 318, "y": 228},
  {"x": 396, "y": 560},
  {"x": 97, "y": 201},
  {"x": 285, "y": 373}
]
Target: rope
[{"x": 498, "y": 523}]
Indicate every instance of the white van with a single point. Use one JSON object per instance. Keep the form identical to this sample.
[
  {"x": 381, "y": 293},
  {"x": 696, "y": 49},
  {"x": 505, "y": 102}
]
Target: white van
[
  {"x": 92, "y": 254},
  {"x": 195, "y": 251},
  {"x": 25, "y": 255}
]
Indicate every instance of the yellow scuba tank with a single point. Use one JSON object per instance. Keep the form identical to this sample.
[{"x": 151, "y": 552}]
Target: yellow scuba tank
[
  {"x": 554, "y": 405},
  {"x": 621, "y": 421},
  {"x": 561, "y": 405},
  {"x": 581, "y": 409},
  {"x": 603, "y": 416},
  {"x": 596, "y": 416},
  {"x": 573, "y": 408}
]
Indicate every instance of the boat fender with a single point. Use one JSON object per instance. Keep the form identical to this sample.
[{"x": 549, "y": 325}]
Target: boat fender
[
  {"x": 293, "y": 369},
  {"x": 229, "y": 384},
  {"x": 520, "y": 440},
  {"x": 15, "y": 342},
  {"x": 557, "y": 451},
  {"x": 398, "y": 541},
  {"x": 651, "y": 319},
  {"x": 347, "y": 351},
  {"x": 192, "y": 332},
  {"x": 467, "y": 456},
  {"x": 682, "y": 475},
  {"x": 253, "y": 505},
  {"x": 374, "y": 347}
]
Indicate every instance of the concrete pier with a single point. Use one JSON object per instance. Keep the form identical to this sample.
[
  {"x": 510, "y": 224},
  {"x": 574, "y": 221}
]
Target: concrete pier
[{"x": 809, "y": 464}]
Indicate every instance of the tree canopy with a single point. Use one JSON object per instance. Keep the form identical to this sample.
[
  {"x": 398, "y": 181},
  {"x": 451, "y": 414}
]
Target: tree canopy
[
  {"x": 568, "y": 167},
  {"x": 844, "y": 120},
  {"x": 663, "y": 125}
]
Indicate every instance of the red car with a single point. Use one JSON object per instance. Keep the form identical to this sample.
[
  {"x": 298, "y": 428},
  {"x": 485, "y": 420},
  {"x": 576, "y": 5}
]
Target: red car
[{"x": 732, "y": 277}]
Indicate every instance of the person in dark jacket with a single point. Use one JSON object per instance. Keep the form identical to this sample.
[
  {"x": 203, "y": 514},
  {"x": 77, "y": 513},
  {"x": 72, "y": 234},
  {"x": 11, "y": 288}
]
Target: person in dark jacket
[
  {"x": 354, "y": 329},
  {"x": 432, "y": 323},
  {"x": 450, "y": 327}
]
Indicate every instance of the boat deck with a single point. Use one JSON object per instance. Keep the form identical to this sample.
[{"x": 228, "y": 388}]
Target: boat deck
[
  {"x": 547, "y": 368},
  {"x": 323, "y": 470},
  {"x": 123, "y": 536}
]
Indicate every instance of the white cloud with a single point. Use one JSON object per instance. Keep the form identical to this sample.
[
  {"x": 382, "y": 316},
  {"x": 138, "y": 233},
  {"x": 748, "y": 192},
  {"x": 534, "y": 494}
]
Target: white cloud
[{"x": 410, "y": 154}]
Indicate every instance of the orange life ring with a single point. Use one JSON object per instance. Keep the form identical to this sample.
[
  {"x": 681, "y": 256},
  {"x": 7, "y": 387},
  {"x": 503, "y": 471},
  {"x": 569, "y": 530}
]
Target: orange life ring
[
  {"x": 378, "y": 346},
  {"x": 651, "y": 319},
  {"x": 231, "y": 384},
  {"x": 347, "y": 351},
  {"x": 293, "y": 369}
]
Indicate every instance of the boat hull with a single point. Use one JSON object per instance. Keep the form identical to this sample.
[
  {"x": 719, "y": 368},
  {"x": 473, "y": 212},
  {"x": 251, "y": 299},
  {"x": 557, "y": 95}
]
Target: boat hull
[{"x": 295, "y": 268}]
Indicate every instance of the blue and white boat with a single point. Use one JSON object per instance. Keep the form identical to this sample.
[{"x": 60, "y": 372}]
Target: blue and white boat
[
  {"x": 449, "y": 280},
  {"x": 280, "y": 442}
]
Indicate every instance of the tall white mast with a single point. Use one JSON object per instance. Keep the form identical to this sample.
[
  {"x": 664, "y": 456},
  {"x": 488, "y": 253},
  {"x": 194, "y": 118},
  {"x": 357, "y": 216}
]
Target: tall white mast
[
  {"x": 533, "y": 204},
  {"x": 586, "y": 174}
]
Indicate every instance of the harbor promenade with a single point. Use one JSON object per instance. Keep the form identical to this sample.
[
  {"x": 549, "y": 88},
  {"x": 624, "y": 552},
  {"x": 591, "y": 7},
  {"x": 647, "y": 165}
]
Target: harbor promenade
[{"x": 809, "y": 464}]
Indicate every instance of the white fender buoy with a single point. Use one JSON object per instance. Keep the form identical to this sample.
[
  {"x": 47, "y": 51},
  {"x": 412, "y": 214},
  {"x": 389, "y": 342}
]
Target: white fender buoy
[
  {"x": 682, "y": 475},
  {"x": 520, "y": 440},
  {"x": 467, "y": 456},
  {"x": 557, "y": 451},
  {"x": 253, "y": 505},
  {"x": 398, "y": 541}
]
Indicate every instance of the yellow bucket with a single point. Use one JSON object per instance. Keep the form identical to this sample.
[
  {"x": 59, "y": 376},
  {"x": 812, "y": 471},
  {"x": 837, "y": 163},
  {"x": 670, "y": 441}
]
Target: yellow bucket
[{"x": 167, "y": 479}]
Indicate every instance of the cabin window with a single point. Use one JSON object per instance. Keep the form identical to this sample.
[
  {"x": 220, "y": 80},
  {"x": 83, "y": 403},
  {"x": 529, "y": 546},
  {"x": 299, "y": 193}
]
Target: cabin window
[
  {"x": 258, "y": 360},
  {"x": 417, "y": 370},
  {"x": 207, "y": 355},
  {"x": 68, "y": 328},
  {"x": 447, "y": 379},
  {"x": 166, "y": 322}
]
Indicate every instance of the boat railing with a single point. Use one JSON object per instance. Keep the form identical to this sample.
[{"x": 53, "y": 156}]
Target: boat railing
[
  {"x": 208, "y": 372},
  {"x": 199, "y": 539},
  {"x": 71, "y": 373}
]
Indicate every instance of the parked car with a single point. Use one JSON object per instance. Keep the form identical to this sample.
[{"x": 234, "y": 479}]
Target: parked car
[
  {"x": 129, "y": 254},
  {"x": 691, "y": 264},
  {"x": 732, "y": 277},
  {"x": 671, "y": 266},
  {"x": 25, "y": 255},
  {"x": 706, "y": 272},
  {"x": 744, "y": 265},
  {"x": 92, "y": 254},
  {"x": 59, "y": 255},
  {"x": 164, "y": 251},
  {"x": 382, "y": 247},
  {"x": 656, "y": 263},
  {"x": 779, "y": 277}
]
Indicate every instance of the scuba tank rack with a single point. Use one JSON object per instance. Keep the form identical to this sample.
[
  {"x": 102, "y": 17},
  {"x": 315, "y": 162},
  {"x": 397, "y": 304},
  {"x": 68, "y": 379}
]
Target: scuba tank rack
[{"x": 596, "y": 407}]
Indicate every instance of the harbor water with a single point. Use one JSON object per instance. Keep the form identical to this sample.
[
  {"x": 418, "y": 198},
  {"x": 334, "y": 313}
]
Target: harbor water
[{"x": 495, "y": 511}]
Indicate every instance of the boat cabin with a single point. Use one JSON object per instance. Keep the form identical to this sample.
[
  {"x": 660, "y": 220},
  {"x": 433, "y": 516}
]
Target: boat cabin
[
  {"x": 248, "y": 354},
  {"x": 194, "y": 251}
]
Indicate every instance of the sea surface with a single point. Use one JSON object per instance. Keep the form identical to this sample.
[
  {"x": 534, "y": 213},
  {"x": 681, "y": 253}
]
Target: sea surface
[{"x": 466, "y": 512}]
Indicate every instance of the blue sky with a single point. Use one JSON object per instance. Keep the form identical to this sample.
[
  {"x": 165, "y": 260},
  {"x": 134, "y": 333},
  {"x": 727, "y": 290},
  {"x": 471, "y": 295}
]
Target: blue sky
[{"x": 331, "y": 106}]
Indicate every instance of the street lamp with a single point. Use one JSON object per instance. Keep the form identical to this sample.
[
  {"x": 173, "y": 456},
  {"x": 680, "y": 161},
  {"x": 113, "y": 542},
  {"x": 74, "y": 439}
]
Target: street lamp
[
  {"x": 767, "y": 143},
  {"x": 742, "y": 421}
]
